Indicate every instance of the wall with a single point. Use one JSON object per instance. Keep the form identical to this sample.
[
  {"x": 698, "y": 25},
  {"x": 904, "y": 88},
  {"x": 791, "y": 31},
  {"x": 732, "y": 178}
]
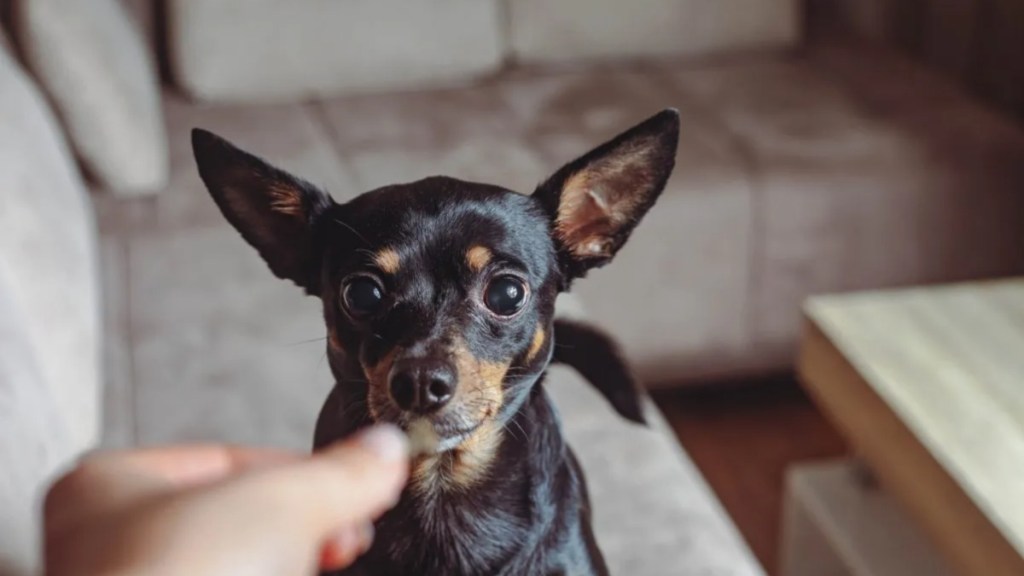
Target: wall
[{"x": 978, "y": 42}]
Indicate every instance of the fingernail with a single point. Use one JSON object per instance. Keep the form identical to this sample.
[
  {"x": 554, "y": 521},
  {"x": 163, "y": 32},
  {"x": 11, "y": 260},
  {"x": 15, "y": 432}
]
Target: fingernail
[
  {"x": 386, "y": 441},
  {"x": 342, "y": 547},
  {"x": 366, "y": 533}
]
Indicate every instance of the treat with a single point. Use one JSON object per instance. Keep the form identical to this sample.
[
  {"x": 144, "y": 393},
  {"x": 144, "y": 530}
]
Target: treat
[{"x": 422, "y": 438}]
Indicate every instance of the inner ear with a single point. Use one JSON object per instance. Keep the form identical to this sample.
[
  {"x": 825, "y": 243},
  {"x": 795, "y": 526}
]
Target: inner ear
[
  {"x": 603, "y": 198},
  {"x": 273, "y": 210},
  {"x": 596, "y": 201}
]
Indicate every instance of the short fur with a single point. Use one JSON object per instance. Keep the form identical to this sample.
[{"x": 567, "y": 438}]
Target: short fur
[{"x": 504, "y": 494}]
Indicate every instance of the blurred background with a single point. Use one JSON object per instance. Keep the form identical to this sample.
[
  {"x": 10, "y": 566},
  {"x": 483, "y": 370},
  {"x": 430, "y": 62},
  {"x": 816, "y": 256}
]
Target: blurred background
[{"x": 828, "y": 146}]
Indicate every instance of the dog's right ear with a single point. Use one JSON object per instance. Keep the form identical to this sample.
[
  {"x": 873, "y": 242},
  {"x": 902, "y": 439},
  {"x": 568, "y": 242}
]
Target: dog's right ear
[
  {"x": 595, "y": 201},
  {"x": 273, "y": 210}
]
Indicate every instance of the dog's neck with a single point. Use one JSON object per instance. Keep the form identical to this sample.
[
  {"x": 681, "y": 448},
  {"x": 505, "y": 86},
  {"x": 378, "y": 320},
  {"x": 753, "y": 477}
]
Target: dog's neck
[{"x": 496, "y": 524}]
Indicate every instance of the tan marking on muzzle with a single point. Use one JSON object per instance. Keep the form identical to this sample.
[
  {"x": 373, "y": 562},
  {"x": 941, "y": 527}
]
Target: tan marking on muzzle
[
  {"x": 461, "y": 468},
  {"x": 377, "y": 389},
  {"x": 473, "y": 458},
  {"x": 387, "y": 260},
  {"x": 480, "y": 382},
  {"x": 539, "y": 337},
  {"x": 478, "y": 395},
  {"x": 478, "y": 257}
]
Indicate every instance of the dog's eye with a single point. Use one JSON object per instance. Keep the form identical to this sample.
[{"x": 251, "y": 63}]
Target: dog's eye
[
  {"x": 362, "y": 296},
  {"x": 505, "y": 295}
]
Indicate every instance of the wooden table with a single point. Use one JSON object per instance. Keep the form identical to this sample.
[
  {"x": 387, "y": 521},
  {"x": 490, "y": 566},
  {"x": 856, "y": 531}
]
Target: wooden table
[{"x": 927, "y": 385}]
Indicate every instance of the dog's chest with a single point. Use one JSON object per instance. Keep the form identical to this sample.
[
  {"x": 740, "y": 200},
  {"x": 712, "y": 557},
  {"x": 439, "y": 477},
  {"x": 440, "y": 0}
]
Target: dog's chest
[{"x": 448, "y": 533}]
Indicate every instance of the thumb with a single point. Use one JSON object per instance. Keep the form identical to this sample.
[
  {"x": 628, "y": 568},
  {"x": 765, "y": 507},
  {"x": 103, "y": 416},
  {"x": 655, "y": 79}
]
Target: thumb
[
  {"x": 366, "y": 474},
  {"x": 277, "y": 520},
  {"x": 348, "y": 483}
]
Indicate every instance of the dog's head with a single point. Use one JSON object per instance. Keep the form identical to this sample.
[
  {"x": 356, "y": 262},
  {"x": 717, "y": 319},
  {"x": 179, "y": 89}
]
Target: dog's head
[{"x": 439, "y": 295}]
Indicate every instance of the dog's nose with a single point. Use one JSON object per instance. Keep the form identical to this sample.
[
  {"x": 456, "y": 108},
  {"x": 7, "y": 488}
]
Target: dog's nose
[{"x": 422, "y": 385}]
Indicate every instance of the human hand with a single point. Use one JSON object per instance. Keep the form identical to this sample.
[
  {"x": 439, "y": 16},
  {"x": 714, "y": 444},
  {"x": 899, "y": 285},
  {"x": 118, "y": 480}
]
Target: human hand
[{"x": 220, "y": 510}]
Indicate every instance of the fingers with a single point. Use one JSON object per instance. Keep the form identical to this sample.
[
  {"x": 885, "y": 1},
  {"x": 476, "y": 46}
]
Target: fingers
[
  {"x": 189, "y": 465},
  {"x": 285, "y": 510},
  {"x": 347, "y": 484},
  {"x": 106, "y": 480},
  {"x": 345, "y": 546},
  {"x": 315, "y": 509}
]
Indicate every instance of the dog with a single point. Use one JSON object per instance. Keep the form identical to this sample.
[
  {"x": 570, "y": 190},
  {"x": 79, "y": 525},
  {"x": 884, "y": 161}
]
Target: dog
[{"x": 439, "y": 302}]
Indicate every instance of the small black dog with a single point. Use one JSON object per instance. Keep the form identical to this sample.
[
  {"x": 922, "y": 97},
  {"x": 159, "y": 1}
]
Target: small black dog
[{"x": 439, "y": 299}]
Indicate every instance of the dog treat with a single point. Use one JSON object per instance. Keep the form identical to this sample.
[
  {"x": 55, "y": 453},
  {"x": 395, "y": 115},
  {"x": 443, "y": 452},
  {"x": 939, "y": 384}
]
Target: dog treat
[{"x": 422, "y": 438}]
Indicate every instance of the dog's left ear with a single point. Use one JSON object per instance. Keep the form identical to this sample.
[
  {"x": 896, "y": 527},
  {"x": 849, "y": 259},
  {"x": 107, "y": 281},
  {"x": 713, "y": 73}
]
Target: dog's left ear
[
  {"x": 273, "y": 210},
  {"x": 597, "y": 200}
]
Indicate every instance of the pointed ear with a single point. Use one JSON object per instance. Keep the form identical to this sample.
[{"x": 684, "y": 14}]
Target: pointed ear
[
  {"x": 597, "y": 200},
  {"x": 273, "y": 210}
]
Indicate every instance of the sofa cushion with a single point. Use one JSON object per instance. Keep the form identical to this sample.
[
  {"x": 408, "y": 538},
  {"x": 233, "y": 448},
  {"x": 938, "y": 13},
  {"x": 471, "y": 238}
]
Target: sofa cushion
[
  {"x": 34, "y": 440},
  {"x": 91, "y": 60},
  {"x": 47, "y": 251},
  {"x": 564, "y": 30},
  {"x": 253, "y": 50},
  {"x": 653, "y": 512},
  {"x": 871, "y": 171}
]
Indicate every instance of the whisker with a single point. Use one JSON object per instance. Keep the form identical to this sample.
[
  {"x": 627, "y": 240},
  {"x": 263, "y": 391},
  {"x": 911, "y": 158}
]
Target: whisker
[
  {"x": 354, "y": 231},
  {"x": 321, "y": 339},
  {"x": 352, "y": 408},
  {"x": 522, "y": 433}
]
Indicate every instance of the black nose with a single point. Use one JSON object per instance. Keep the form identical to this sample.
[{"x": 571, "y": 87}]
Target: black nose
[{"x": 422, "y": 385}]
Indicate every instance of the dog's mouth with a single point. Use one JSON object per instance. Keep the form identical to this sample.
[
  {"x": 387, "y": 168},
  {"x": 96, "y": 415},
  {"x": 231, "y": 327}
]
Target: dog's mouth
[{"x": 447, "y": 436}]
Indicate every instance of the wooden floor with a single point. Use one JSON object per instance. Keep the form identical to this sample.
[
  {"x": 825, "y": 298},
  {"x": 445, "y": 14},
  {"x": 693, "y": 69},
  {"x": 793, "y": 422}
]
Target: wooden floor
[{"x": 743, "y": 436}]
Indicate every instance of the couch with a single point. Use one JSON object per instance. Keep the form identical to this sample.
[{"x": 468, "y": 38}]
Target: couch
[
  {"x": 50, "y": 335},
  {"x": 85, "y": 347},
  {"x": 804, "y": 167},
  {"x": 810, "y": 162}
]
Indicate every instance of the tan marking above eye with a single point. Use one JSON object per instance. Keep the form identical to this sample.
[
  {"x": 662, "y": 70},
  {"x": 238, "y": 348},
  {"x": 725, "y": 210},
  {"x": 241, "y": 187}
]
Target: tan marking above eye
[
  {"x": 478, "y": 257},
  {"x": 538, "y": 342},
  {"x": 387, "y": 260}
]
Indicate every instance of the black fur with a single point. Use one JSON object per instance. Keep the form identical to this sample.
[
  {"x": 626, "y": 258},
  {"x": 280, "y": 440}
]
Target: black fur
[
  {"x": 597, "y": 358},
  {"x": 523, "y": 507}
]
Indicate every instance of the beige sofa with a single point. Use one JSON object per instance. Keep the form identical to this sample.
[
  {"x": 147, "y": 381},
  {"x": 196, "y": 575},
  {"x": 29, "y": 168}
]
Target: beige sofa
[
  {"x": 189, "y": 311},
  {"x": 653, "y": 511},
  {"x": 802, "y": 169},
  {"x": 50, "y": 337}
]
